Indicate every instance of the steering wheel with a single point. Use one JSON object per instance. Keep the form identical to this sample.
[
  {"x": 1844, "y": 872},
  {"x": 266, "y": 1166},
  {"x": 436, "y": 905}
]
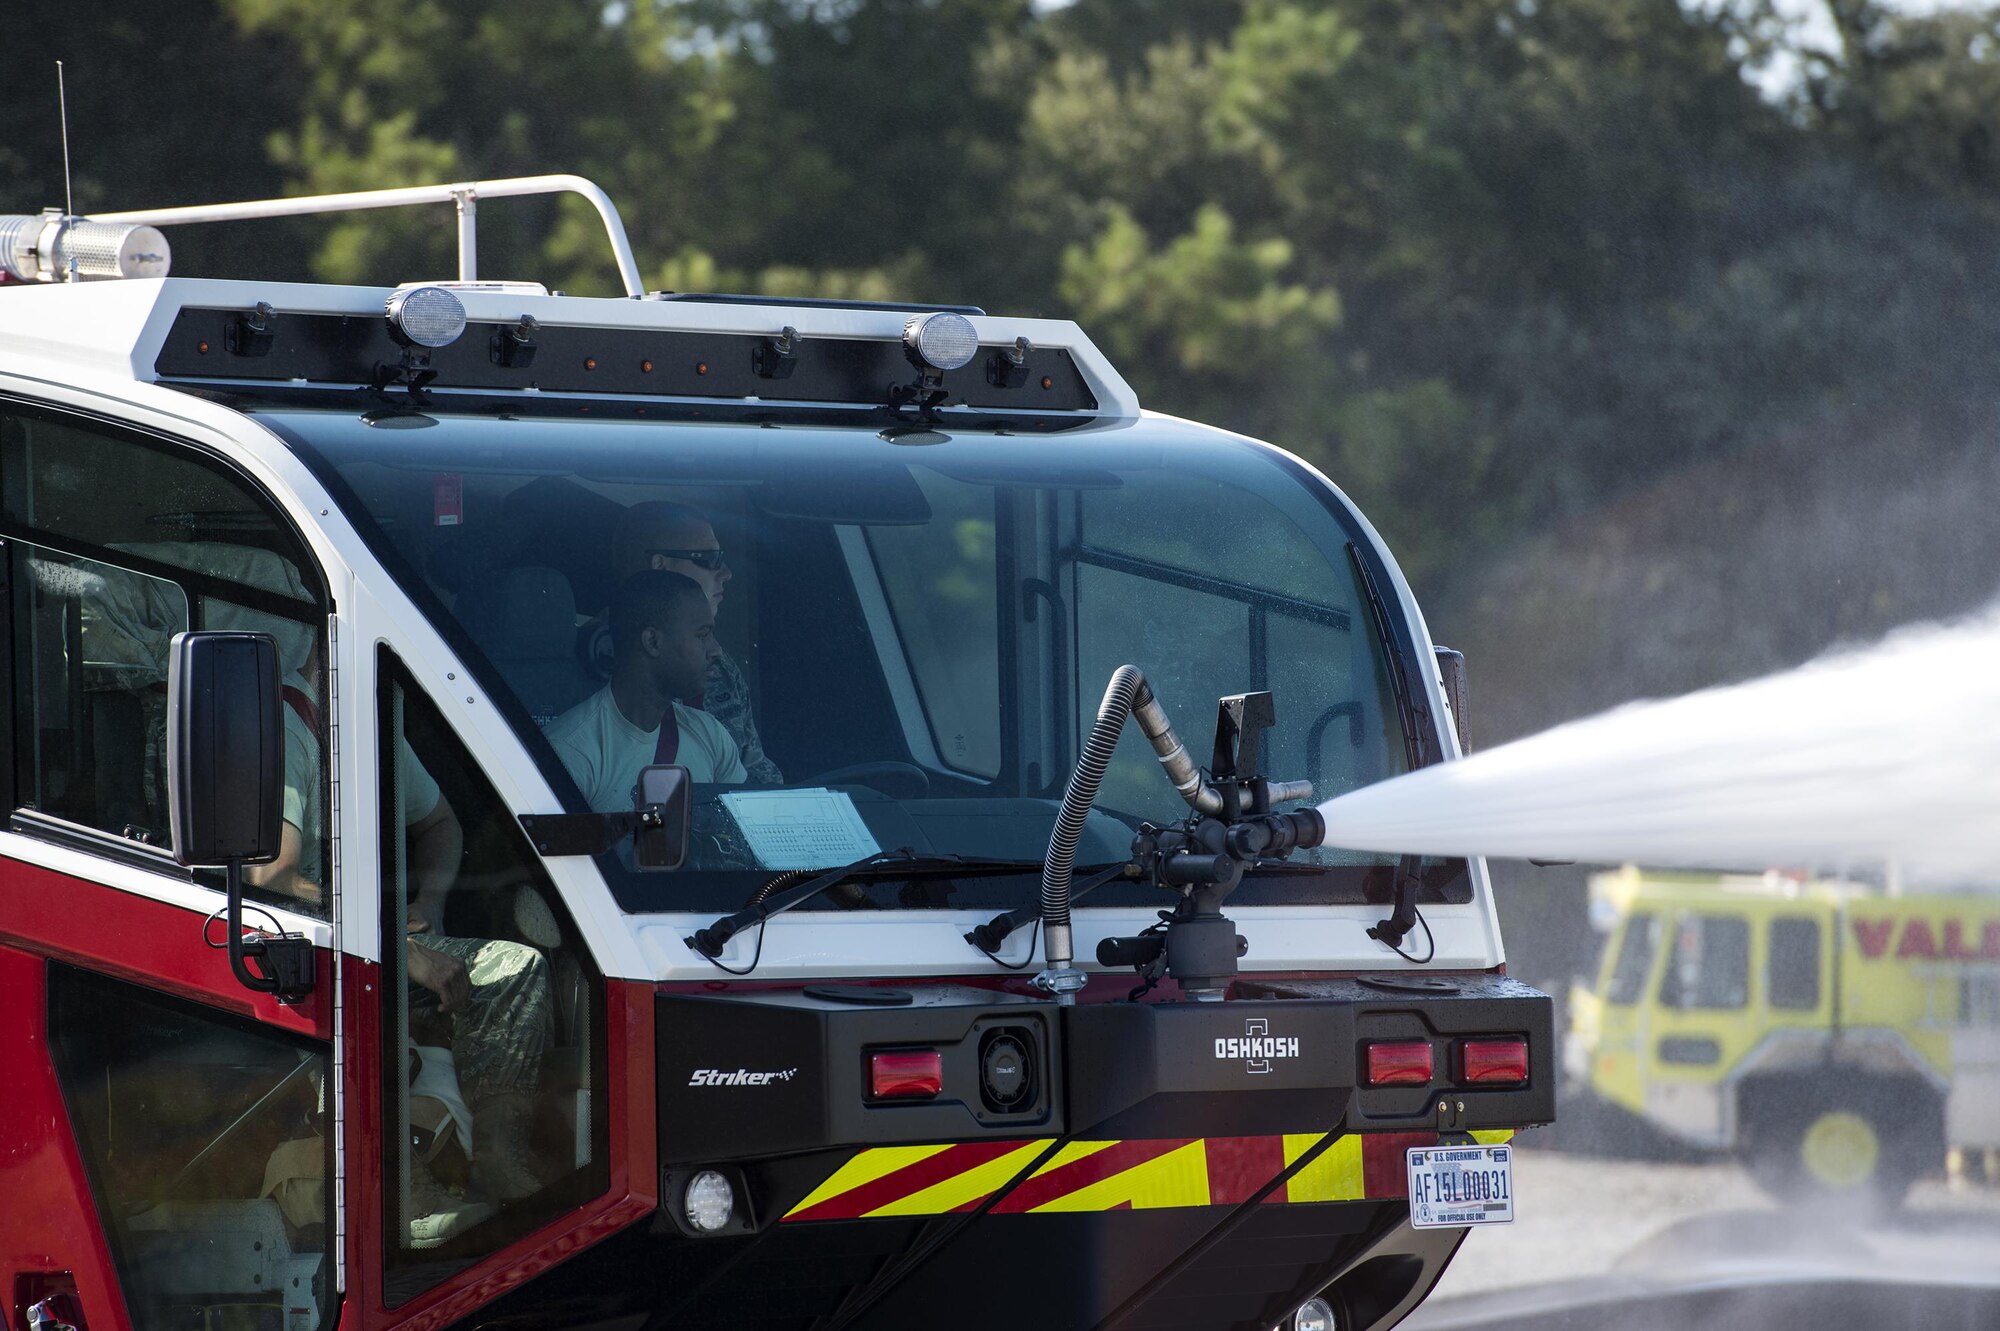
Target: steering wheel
[{"x": 901, "y": 780}]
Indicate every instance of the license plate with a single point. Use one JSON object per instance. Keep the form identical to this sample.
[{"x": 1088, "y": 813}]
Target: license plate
[{"x": 1461, "y": 1185}]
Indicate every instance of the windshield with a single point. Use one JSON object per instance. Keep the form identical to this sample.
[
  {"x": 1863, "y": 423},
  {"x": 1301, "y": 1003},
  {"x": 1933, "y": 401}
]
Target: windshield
[{"x": 856, "y": 644}]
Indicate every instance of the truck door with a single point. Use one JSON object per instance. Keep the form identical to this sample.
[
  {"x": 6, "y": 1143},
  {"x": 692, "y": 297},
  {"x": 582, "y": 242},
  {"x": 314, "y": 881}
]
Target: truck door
[
  {"x": 169, "y": 1133},
  {"x": 1701, "y": 1023},
  {"x": 1616, "y": 1069},
  {"x": 492, "y": 1020}
]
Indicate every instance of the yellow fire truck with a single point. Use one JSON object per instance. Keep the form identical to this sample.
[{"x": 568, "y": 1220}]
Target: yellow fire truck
[{"x": 1837, "y": 1037}]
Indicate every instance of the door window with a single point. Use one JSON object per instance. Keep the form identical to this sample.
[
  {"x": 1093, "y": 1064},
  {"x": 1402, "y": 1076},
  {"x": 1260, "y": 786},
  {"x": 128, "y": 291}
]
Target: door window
[
  {"x": 1793, "y": 975},
  {"x": 493, "y": 1011},
  {"x": 1708, "y": 963},
  {"x": 91, "y": 682},
  {"x": 116, "y": 542},
  {"x": 1636, "y": 947},
  {"x": 206, "y": 1141}
]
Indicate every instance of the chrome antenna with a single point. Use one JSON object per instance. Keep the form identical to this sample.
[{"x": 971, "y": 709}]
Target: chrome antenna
[
  {"x": 69, "y": 196},
  {"x": 62, "y": 103}
]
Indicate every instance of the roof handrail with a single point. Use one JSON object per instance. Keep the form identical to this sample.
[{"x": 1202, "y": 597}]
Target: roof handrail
[{"x": 464, "y": 195}]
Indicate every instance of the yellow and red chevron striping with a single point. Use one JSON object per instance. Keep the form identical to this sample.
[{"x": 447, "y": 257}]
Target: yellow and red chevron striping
[
  {"x": 1096, "y": 1176},
  {"x": 915, "y": 1180},
  {"x": 1110, "y": 1175}
]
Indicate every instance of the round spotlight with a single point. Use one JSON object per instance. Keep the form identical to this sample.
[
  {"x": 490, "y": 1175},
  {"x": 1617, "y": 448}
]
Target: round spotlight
[
  {"x": 709, "y": 1201},
  {"x": 941, "y": 341},
  {"x": 1314, "y": 1315},
  {"x": 426, "y": 316}
]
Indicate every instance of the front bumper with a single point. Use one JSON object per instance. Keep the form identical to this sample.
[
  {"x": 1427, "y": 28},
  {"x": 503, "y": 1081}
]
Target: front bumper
[{"x": 1173, "y": 1164}]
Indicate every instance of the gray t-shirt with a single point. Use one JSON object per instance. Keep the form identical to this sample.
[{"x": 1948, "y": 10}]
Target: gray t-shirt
[
  {"x": 726, "y": 697},
  {"x": 604, "y": 752}
]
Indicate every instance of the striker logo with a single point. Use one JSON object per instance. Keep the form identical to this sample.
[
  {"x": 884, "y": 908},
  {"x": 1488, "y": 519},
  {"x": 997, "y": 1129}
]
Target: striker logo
[
  {"x": 740, "y": 1077},
  {"x": 1258, "y": 1046}
]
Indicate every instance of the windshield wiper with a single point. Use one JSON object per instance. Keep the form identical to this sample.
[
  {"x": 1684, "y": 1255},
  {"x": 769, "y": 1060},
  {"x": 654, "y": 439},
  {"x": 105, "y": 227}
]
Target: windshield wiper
[
  {"x": 1415, "y": 718},
  {"x": 709, "y": 942},
  {"x": 989, "y": 936}
]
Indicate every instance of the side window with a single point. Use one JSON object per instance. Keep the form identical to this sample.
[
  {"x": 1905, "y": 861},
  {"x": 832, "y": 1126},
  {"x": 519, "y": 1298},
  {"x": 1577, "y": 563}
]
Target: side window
[
  {"x": 1708, "y": 963},
  {"x": 1978, "y": 998},
  {"x": 92, "y": 723},
  {"x": 207, "y": 1143},
  {"x": 1636, "y": 947},
  {"x": 493, "y": 1019},
  {"x": 942, "y": 585},
  {"x": 1792, "y": 977},
  {"x": 115, "y": 542}
]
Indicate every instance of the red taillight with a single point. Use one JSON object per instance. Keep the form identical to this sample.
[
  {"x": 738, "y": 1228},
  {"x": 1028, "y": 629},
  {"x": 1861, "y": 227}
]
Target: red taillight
[
  {"x": 1399, "y": 1063},
  {"x": 905, "y": 1074},
  {"x": 1486, "y": 1062}
]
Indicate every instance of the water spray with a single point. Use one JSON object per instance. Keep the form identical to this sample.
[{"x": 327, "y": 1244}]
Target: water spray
[{"x": 1887, "y": 757}]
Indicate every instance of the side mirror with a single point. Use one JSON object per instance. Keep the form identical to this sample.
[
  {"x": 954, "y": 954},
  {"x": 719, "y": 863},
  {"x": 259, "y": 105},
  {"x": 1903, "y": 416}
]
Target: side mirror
[
  {"x": 226, "y": 785},
  {"x": 659, "y": 824},
  {"x": 1451, "y": 667},
  {"x": 665, "y": 803},
  {"x": 225, "y": 748}
]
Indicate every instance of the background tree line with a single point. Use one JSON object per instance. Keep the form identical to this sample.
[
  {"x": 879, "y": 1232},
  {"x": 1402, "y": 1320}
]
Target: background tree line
[{"x": 1651, "y": 379}]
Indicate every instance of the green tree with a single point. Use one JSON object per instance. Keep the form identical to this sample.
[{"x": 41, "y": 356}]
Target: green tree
[
  {"x": 192, "y": 136},
  {"x": 1919, "y": 94}
]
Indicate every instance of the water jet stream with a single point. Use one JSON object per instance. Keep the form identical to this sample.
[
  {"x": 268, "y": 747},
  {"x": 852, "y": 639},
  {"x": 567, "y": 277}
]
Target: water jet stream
[{"x": 1861, "y": 760}]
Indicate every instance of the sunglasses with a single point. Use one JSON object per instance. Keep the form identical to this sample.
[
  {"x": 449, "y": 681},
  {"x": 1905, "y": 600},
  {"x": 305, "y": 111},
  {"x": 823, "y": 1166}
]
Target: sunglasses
[{"x": 704, "y": 559}]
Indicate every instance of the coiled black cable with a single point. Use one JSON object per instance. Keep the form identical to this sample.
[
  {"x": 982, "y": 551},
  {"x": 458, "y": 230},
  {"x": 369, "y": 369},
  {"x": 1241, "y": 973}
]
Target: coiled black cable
[{"x": 1127, "y": 688}]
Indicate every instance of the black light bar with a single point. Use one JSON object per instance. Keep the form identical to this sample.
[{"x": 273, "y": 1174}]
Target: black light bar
[{"x": 210, "y": 345}]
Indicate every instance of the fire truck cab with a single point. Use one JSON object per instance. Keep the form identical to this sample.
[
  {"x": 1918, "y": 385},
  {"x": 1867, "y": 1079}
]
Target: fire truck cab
[
  {"x": 1837, "y": 1037},
  {"x": 364, "y": 958}
]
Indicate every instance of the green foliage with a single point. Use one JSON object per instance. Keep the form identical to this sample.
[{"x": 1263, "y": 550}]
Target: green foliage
[
  {"x": 1209, "y": 309},
  {"x": 151, "y": 125},
  {"x": 1498, "y": 266},
  {"x": 1917, "y": 93}
]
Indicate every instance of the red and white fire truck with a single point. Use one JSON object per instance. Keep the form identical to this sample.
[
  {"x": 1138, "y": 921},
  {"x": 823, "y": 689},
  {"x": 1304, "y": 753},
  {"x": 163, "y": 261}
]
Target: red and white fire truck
[{"x": 371, "y": 955}]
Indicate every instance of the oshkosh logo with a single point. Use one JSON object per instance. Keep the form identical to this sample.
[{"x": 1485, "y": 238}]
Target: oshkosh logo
[
  {"x": 1258, "y": 1046},
  {"x": 740, "y": 1077}
]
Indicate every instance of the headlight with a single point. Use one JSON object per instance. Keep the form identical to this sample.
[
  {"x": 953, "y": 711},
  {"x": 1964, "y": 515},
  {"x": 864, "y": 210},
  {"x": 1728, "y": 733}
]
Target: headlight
[
  {"x": 709, "y": 1201},
  {"x": 1314, "y": 1315}
]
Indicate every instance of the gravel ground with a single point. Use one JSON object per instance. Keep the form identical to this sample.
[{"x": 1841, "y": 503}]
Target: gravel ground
[{"x": 1580, "y": 1216}]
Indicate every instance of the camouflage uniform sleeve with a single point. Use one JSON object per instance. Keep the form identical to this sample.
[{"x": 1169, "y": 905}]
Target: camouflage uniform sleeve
[{"x": 727, "y": 699}]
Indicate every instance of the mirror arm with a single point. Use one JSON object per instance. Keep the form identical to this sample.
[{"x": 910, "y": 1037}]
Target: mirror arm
[
  {"x": 286, "y": 958},
  {"x": 240, "y": 951},
  {"x": 555, "y": 834}
]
